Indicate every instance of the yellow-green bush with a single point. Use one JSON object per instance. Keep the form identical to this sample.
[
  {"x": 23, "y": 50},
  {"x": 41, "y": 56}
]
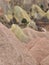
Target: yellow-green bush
[
  {"x": 8, "y": 15},
  {"x": 21, "y": 14},
  {"x": 47, "y": 14},
  {"x": 37, "y": 12},
  {"x": 19, "y": 33},
  {"x": 33, "y": 26}
]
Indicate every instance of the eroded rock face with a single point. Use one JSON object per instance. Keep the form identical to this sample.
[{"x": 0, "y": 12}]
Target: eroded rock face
[{"x": 12, "y": 51}]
